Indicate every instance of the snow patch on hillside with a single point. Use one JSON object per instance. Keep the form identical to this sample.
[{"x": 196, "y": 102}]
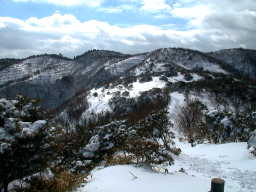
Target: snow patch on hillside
[
  {"x": 124, "y": 65},
  {"x": 181, "y": 77},
  {"x": 138, "y": 88},
  {"x": 99, "y": 103},
  {"x": 177, "y": 101},
  {"x": 99, "y": 99}
]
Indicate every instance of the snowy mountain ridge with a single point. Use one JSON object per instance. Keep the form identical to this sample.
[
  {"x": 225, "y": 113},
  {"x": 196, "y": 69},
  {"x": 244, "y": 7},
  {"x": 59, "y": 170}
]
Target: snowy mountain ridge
[
  {"x": 241, "y": 60},
  {"x": 59, "y": 79}
]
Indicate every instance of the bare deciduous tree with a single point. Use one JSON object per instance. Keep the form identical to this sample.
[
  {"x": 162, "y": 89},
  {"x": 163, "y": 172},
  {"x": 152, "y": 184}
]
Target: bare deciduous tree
[{"x": 190, "y": 119}]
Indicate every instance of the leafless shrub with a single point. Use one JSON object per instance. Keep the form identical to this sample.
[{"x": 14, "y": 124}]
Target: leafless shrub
[{"x": 190, "y": 120}]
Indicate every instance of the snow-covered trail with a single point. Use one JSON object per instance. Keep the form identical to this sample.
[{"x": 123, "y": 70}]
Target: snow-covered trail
[
  {"x": 120, "y": 178},
  {"x": 232, "y": 162}
]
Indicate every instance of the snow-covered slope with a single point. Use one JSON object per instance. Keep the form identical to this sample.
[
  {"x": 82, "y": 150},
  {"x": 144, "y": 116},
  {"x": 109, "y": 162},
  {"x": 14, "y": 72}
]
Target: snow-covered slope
[
  {"x": 99, "y": 99},
  {"x": 39, "y": 69},
  {"x": 45, "y": 76},
  {"x": 243, "y": 61},
  {"x": 124, "y": 65},
  {"x": 172, "y": 58}
]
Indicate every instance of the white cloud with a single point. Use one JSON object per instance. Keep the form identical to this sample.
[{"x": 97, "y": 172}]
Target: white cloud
[
  {"x": 66, "y": 34},
  {"x": 111, "y": 10},
  {"x": 91, "y": 3},
  {"x": 155, "y": 5},
  {"x": 229, "y": 23},
  {"x": 195, "y": 14},
  {"x": 208, "y": 27},
  {"x": 117, "y": 9}
]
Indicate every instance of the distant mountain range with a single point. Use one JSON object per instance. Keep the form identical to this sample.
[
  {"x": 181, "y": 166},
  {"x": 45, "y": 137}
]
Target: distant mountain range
[{"x": 56, "y": 79}]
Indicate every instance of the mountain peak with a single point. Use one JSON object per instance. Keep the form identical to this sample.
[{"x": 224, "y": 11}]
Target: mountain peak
[{"x": 100, "y": 53}]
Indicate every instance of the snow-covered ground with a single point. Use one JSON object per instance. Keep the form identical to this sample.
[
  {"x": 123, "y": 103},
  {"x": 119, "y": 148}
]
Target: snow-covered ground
[
  {"x": 232, "y": 162},
  {"x": 120, "y": 178}
]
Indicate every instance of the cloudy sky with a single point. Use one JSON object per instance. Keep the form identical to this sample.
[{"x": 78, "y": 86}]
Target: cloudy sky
[{"x": 71, "y": 27}]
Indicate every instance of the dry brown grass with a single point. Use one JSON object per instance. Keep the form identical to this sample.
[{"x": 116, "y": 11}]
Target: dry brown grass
[
  {"x": 120, "y": 160},
  {"x": 64, "y": 181}
]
